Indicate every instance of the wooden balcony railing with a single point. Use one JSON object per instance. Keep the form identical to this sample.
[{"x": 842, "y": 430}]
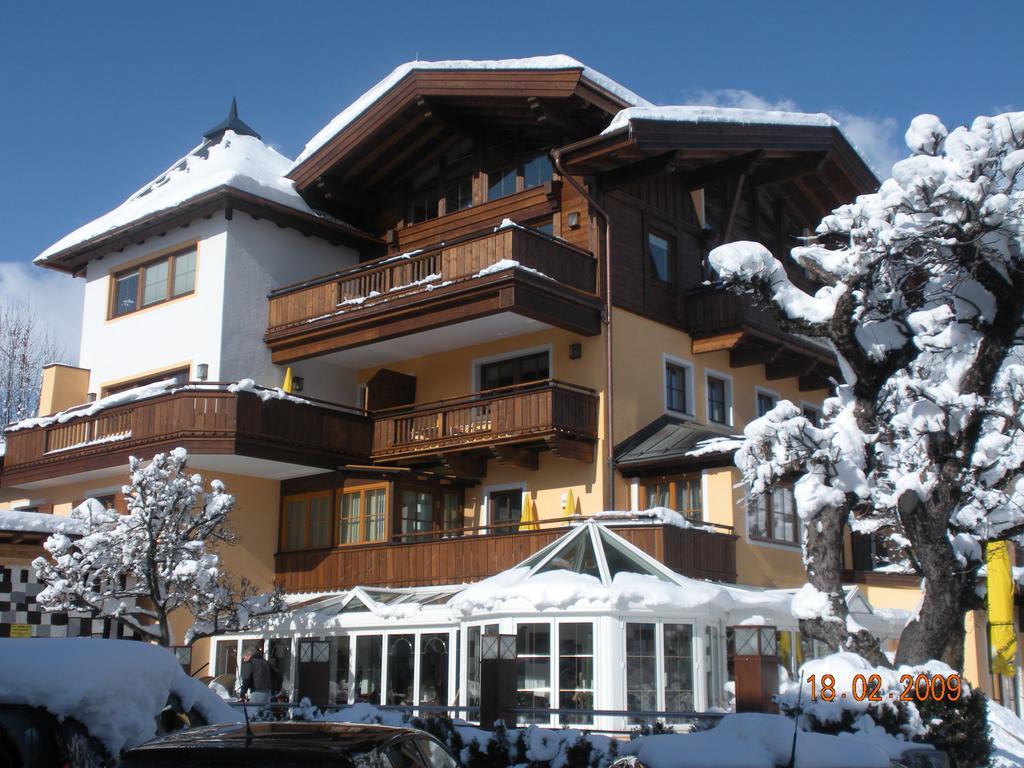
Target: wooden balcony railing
[
  {"x": 203, "y": 417},
  {"x": 716, "y": 309},
  {"x": 352, "y": 290},
  {"x": 509, "y": 414},
  {"x": 453, "y": 558}
]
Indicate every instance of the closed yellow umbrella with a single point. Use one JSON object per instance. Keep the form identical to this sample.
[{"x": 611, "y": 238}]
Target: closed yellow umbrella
[
  {"x": 570, "y": 503},
  {"x": 528, "y": 520},
  {"x": 287, "y": 386},
  {"x": 1002, "y": 635}
]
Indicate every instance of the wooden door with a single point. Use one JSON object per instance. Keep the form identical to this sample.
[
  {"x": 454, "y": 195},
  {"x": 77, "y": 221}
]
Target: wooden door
[{"x": 314, "y": 672}]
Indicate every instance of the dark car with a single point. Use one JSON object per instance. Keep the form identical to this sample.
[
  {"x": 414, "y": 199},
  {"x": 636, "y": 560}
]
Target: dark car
[
  {"x": 292, "y": 745},
  {"x": 31, "y": 737}
]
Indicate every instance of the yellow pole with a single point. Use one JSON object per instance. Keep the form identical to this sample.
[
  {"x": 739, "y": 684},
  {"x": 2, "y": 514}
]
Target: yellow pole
[{"x": 1001, "y": 633}]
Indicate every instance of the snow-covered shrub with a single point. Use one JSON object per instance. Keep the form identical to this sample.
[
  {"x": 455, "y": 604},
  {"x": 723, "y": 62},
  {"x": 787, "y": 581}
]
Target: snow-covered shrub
[{"x": 958, "y": 728}]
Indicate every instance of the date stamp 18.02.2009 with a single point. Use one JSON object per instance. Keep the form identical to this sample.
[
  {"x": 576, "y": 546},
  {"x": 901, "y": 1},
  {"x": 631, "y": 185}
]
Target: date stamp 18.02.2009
[{"x": 920, "y": 687}]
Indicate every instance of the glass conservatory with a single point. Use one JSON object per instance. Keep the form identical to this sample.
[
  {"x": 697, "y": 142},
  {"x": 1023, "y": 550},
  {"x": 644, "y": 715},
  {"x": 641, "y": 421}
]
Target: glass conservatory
[{"x": 599, "y": 625}]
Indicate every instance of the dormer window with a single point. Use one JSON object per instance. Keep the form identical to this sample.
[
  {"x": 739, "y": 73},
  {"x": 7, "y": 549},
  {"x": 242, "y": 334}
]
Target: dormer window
[{"x": 169, "y": 277}]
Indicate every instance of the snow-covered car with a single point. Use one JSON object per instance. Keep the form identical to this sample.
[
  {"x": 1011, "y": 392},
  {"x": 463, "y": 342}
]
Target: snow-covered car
[
  {"x": 115, "y": 694},
  {"x": 293, "y": 745}
]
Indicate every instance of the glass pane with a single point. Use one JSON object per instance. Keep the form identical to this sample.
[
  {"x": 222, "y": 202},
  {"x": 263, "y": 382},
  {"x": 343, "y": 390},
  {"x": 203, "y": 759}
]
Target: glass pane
[
  {"x": 678, "y": 683},
  {"x": 536, "y": 171},
  {"x": 417, "y": 514},
  {"x": 659, "y": 250},
  {"x": 434, "y": 668},
  {"x": 184, "y": 273},
  {"x": 376, "y": 505},
  {"x": 453, "y": 514},
  {"x": 348, "y": 521},
  {"x": 501, "y": 182},
  {"x": 126, "y": 293},
  {"x": 401, "y": 658},
  {"x": 621, "y": 561},
  {"x": 368, "y": 668},
  {"x": 296, "y": 513},
  {"x": 473, "y": 667},
  {"x": 280, "y": 657},
  {"x": 506, "y": 510},
  {"x": 575, "y": 669},
  {"x": 155, "y": 287},
  {"x": 533, "y": 642},
  {"x": 320, "y": 521},
  {"x": 576, "y": 556},
  {"x": 675, "y": 388},
  {"x": 764, "y": 404},
  {"x": 339, "y": 670},
  {"x": 458, "y": 194},
  {"x": 716, "y": 400},
  {"x": 227, "y": 658}
]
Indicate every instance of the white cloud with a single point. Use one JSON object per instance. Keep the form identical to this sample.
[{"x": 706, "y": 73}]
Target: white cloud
[
  {"x": 878, "y": 139},
  {"x": 56, "y": 299}
]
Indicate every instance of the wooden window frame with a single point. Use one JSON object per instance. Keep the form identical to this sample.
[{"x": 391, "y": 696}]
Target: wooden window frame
[
  {"x": 140, "y": 269},
  {"x": 437, "y": 509},
  {"x": 687, "y": 371},
  {"x": 362, "y": 490},
  {"x": 511, "y": 493},
  {"x": 518, "y": 360},
  {"x": 769, "y": 519},
  {"x": 283, "y": 528},
  {"x": 674, "y": 482}
]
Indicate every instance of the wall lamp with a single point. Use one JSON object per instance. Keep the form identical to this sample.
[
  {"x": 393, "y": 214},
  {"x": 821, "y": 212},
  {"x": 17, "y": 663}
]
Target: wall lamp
[
  {"x": 574, "y": 219},
  {"x": 202, "y": 371}
]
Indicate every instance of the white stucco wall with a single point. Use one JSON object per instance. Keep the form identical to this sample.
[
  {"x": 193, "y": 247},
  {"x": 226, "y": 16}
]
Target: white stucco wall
[
  {"x": 261, "y": 257},
  {"x": 184, "y": 330}
]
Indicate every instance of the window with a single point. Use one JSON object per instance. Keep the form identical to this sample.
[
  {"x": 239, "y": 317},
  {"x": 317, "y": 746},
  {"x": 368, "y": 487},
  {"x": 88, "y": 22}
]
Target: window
[
  {"x": 681, "y": 493},
  {"x": 505, "y": 509},
  {"x": 160, "y": 280},
  {"x": 641, "y": 669},
  {"x": 454, "y": 517},
  {"x": 226, "y": 658},
  {"x": 501, "y": 182},
  {"x": 772, "y": 516},
  {"x": 713, "y": 666},
  {"x": 401, "y": 661},
  {"x": 368, "y": 668},
  {"x": 307, "y": 521},
  {"x": 719, "y": 400},
  {"x": 765, "y": 402},
  {"x": 533, "y": 681},
  {"x": 510, "y": 171},
  {"x": 536, "y": 171},
  {"x": 458, "y": 194},
  {"x": 678, "y": 681},
  {"x": 813, "y": 415},
  {"x": 416, "y": 515},
  {"x": 434, "y": 668},
  {"x": 515, "y": 370},
  {"x": 661, "y": 254},
  {"x": 423, "y": 205},
  {"x": 339, "y": 680},
  {"x": 177, "y": 376},
  {"x": 361, "y": 515},
  {"x": 677, "y": 387},
  {"x": 575, "y": 670}
]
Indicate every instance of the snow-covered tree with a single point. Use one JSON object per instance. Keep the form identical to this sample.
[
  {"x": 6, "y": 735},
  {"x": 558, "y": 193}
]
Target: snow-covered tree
[
  {"x": 922, "y": 445},
  {"x": 25, "y": 347},
  {"x": 160, "y": 557}
]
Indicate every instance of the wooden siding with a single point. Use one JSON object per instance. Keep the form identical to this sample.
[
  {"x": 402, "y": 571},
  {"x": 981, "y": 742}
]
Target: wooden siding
[
  {"x": 510, "y": 414},
  {"x": 207, "y": 419},
  {"x": 693, "y": 552}
]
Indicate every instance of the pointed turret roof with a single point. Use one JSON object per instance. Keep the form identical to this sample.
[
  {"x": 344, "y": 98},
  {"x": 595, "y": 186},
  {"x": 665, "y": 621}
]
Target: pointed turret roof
[{"x": 231, "y": 123}]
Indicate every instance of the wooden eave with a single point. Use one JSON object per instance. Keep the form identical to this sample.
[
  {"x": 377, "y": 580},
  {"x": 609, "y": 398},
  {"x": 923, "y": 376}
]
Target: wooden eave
[
  {"x": 227, "y": 198},
  {"x": 816, "y": 163},
  {"x": 408, "y": 101}
]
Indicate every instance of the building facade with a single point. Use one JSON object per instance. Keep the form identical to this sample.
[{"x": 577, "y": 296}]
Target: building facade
[{"x": 486, "y": 284}]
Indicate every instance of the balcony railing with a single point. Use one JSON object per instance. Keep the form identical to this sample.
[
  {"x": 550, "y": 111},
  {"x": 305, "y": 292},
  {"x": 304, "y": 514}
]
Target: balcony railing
[
  {"x": 717, "y": 309},
  {"x": 471, "y": 554},
  {"x": 510, "y": 414},
  {"x": 201, "y": 416},
  {"x": 353, "y": 290}
]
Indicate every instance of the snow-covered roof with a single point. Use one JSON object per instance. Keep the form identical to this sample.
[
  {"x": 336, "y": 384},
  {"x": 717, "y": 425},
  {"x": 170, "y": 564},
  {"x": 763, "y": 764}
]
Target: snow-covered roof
[
  {"x": 115, "y": 688},
  {"x": 364, "y": 102},
  {"x": 38, "y": 522},
  {"x": 244, "y": 163},
  {"x": 719, "y": 115}
]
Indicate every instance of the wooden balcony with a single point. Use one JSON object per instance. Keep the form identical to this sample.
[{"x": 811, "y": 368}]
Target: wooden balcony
[
  {"x": 201, "y": 417},
  {"x": 454, "y": 558},
  {"x": 718, "y": 319},
  {"x": 560, "y": 417},
  {"x": 497, "y": 270}
]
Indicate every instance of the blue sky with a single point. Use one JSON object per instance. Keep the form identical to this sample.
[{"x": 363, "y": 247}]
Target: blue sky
[{"x": 98, "y": 98}]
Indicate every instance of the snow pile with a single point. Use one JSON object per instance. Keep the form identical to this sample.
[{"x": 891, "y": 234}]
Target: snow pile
[
  {"x": 1007, "y": 731},
  {"x": 110, "y": 401},
  {"x": 715, "y": 445},
  {"x": 501, "y": 266},
  {"x": 735, "y": 115},
  {"x": 368, "y": 99},
  {"x": 265, "y": 393},
  {"x": 115, "y": 688},
  {"x": 38, "y": 522},
  {"x": 241, "y": 162},
  {"x": 652, "y": 516}
]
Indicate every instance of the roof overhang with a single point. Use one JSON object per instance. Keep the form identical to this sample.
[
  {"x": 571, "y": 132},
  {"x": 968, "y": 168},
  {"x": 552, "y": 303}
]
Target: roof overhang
[
  {"x": 670, "y": 444},
  {"x": 426, "y": 100},
  {"x": 820, "y": 167},
  {"x": 223, "y": 198}
]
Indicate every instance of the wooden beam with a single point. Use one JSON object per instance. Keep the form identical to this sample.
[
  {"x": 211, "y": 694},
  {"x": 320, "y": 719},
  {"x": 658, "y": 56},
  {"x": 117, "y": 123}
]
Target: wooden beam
[
  {"x": 812, "y": 381},
  {"x": 464, "y": 466},
  {"x": 761, "y": 354},
  {"x": 563, "y": 448},
  {"x": 717, "y": 343},
  {"x": 550, "y": 115},
  {"x": 524, "y": 458},
  {"x": 652, "y": 166},
  {"x": 789, "y": 169},
  {"x": 432, "y": 109},
  {"x": 788, "y": 365},
  {"x": 723, "y": 169}
]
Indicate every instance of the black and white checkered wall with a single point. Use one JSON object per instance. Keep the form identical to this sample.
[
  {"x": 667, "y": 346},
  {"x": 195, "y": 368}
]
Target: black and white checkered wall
[{"x": 19, "y": 587}]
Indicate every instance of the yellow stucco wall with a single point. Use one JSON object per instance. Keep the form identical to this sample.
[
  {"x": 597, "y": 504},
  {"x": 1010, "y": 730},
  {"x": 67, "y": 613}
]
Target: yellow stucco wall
[{"x": 63, "y": 386}]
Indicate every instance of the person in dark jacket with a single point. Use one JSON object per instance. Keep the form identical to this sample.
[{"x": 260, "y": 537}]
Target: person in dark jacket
[{"x": 257, "y": 677}]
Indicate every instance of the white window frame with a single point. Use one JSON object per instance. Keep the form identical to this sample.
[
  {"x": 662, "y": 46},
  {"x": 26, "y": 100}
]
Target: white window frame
[
  {"x": 730, "y": 416},
  {"x": 478, "y": 362},
  {"x": 688, "y": 366},
  {"x": 758, "y": 391},
  {"x": 806, "y": 405},
  {"x": 697, "y": 667},
  {"x": 485, "y": 498}
]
